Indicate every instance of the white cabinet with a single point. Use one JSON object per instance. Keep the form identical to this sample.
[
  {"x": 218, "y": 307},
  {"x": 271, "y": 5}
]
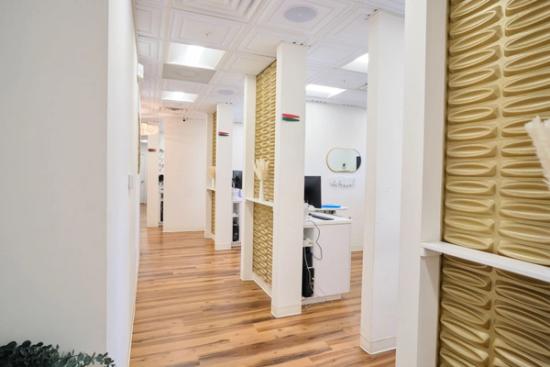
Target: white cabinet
[{"x": 331, "y": 255}]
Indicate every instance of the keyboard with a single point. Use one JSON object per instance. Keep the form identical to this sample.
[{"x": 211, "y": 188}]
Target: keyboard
[{"x": 320, "y": 216}]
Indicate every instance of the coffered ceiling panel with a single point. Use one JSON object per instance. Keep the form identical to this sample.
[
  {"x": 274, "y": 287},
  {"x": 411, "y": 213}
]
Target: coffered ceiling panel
[
  {"x": 247, "y": 63},
  {"x": 279, "y": 14},
  {"x": 204, "y": 30},
  {"x": 241, "y": 10},
  {"x": 185, "y": 73},
  {"x": 147, "y": 48},
  {"x": 148, "y": 21},
  {"x": 249, "y": 31},
  {"x": 265, "y": 41}
]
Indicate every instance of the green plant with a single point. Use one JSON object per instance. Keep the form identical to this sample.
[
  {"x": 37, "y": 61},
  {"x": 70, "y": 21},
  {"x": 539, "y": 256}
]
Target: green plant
[{"x": 27, "y": 354}]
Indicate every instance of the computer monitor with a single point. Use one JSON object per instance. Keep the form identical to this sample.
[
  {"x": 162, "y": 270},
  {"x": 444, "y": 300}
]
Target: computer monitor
[
  {"x": 312, "y": 191},
  {"x": 238, "y": 179}
]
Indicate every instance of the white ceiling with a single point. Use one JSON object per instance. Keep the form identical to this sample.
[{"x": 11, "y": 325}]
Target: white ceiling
[{"x": 249, "y": 31}]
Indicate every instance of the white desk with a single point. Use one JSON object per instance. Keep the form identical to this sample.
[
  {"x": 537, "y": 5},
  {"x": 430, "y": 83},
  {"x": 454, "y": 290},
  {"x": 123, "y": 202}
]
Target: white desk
[{"x": 331, "y": 258}]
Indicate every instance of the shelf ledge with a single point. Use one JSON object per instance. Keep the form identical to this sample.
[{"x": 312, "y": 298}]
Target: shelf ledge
[
  {"x": 210, "y": 189},
  {"x": 261, "y": 202},
  {"x": 535, "y": 271}
]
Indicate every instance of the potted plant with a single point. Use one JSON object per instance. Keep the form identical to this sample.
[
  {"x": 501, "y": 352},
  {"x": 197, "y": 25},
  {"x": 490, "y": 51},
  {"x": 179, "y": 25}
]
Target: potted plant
[{"x": 28, "y": 354}]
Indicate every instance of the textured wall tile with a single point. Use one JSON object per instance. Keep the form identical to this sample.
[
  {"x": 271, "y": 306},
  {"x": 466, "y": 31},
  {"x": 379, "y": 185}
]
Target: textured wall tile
[
  {"x": 495, "y": 197},
  {"x": 264, "y": 149}
]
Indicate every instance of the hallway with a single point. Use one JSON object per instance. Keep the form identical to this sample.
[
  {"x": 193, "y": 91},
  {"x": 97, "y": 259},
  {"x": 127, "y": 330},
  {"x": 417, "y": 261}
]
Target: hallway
[{"x": 193, "y": 310}]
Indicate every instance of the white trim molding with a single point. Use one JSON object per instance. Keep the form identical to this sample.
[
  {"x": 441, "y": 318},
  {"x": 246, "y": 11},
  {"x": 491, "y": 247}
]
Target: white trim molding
[
  {"x": 527, "y": 269},
  {"x": 423, "y": 153}
]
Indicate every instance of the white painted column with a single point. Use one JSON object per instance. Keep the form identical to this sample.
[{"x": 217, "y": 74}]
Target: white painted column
[
  {"x": 208, "y": 194},
  {"x": 423, "y": 152},
  {"x": 248, "y": 176},
  {"x": 224, "y": 175},
  {"x": 288, "y": 204},
  {"x": 153, "y": 195},
  {"x": 383, "y": 183}
]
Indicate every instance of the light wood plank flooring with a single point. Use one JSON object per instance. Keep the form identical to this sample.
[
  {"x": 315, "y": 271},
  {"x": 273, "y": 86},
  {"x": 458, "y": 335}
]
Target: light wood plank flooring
[{"x": 193, "y": 310}]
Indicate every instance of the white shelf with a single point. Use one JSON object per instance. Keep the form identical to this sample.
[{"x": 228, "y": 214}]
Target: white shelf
[
  {"x": 211, "y": 189},
  {"x": 527, "y": 269},
  {"x": 261, "y": 202}
]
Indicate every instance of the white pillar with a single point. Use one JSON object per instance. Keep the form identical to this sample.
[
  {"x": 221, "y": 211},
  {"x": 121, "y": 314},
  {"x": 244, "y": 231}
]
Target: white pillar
[
  {"x": 423, "y": 152},
  {"x": 153, "y": 195},
  {"x": 208, "y": 194},
  {"x": 383, "y": 183},
  {"x": 224, "y": 175},
  {"x": 248, "y": 176},
  {"x": 288, "y": 204}
]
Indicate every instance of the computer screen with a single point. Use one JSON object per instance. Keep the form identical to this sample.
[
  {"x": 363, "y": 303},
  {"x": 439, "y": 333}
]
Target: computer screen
[
  {"x": 238, "y": 179},
  {"x": 312, "y": 191}
]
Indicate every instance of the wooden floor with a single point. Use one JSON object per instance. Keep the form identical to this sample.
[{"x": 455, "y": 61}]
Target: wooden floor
[{"x": 193, "y": 310}]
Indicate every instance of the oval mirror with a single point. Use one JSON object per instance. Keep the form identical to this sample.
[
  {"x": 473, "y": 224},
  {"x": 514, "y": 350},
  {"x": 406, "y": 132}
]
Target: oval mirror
[{"x": 343, "y": 160}]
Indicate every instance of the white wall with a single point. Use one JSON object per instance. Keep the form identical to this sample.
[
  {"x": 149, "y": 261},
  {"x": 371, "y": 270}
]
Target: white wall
[
  {"x": 66, "y": 237},
  {"x": 53, "y": 156},
  {"x": 184, "y": 175},
  {"x": 238, "y": 146},
  {"x": 122, "y": 180},
  {"x": 331, "y": 126}
]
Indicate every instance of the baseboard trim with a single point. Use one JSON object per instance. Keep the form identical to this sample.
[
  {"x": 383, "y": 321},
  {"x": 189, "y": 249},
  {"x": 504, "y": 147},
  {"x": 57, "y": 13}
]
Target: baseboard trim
[
  {"x": 378, "y": 346},
  {"x": 222, "y": 246},
  {"x": 286, "y": 311},
  {"x": 262, "y": 284}
]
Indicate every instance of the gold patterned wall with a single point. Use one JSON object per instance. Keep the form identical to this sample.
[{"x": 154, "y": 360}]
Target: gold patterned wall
[
  {"x": 213, "y": 193},
  {"x": 265, "y": 126},
  {"x": 492, "y": 318},
  {"x": 262, "y": 239},
  {"x": 495, "y": 197},
  {"x": 262, "y": 247}
]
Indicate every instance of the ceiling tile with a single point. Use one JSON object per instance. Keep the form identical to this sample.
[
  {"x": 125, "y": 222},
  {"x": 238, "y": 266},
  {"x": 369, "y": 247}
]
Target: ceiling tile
[
  {"x": 274, "y": 15},
  {"x": 147, "y": 48},
  {"x": 247, "y": 63},
  {"x": 264, "y": 41},
  {"x": 241, "y": 10},
  {"x": 148, "y": 21},
  {"x": 204, "y": 30},
  {"x": 186, "y": 73}
]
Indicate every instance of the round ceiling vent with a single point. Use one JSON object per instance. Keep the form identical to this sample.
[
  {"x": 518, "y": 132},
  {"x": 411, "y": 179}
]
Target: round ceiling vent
[
  {"x": 226, "y": 92},
  {"x": 300, "y": 14}
]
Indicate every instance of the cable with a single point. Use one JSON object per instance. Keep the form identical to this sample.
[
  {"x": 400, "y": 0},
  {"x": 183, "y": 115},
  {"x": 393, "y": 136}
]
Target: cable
[{"x": 316, "y": 242}]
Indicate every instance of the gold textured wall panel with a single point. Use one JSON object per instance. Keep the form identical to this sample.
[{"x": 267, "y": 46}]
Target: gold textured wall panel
[
  {"x": 213, "y": 211},
  {"x": 495, "y": 197},
  {"x": 491, "y": 317},
  {"x": 265, "y": 126},
  {"x": 262, "y": 244}
]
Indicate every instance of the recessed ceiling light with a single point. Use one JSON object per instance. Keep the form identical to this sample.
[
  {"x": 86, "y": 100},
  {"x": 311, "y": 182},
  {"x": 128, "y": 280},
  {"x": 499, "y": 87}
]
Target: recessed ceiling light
[
  {"x": 360, "y": 64},
  {"x": 179, "y": 96},
  {"x": 322, "y": 91},
  {"x": 226, "y": 92},
  {"x": 300, "y": 14},
  {"x": 194, "y": 56}
]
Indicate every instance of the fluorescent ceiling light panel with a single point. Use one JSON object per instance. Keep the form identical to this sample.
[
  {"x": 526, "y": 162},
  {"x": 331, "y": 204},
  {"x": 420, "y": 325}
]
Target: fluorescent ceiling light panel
[
  {"x": 322, "y": 91},
  {"x": 179, "y": 96},
  {"x": 194, "y": 56},
  {"x": 360, "y": 64}
]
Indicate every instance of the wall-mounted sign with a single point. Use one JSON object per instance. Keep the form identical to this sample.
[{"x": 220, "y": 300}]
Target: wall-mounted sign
[
  {"x": 290, "y": 117},
  {"x": 223, "y": 133}
]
